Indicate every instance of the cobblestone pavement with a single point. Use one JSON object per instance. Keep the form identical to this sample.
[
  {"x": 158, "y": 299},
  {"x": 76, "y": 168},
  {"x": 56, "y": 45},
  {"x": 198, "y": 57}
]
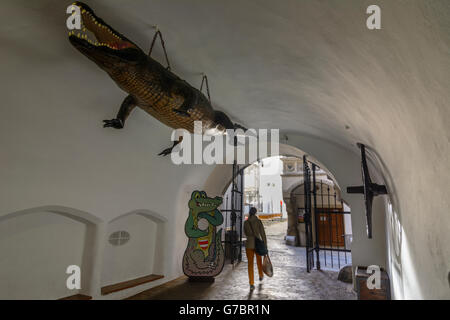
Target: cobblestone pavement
[{"x": 290, "y": 280}]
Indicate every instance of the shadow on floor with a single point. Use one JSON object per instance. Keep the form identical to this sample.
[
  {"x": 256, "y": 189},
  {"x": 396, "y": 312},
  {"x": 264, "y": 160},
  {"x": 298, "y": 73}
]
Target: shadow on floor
[{"x": 290, "y": 280}]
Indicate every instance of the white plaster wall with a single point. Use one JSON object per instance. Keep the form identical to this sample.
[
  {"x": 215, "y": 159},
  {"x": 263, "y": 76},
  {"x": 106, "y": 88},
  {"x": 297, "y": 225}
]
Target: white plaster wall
[
  {"x": 310, "y": 68},
  {"x": 347, "y": 220}
]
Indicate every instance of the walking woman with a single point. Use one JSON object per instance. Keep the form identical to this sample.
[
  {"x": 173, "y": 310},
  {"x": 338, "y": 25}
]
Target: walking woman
[{"x": 253, "y": 227}]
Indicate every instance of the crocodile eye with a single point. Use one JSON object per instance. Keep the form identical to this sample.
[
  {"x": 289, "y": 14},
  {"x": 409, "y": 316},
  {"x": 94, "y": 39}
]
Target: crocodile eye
[
  {"x": 203, "y": 194},
  {"x": 197, "y": 196}
]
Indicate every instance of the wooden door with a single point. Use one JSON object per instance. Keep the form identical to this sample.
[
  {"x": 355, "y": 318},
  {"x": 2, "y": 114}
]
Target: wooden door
[{"x": 331, "y": 229}]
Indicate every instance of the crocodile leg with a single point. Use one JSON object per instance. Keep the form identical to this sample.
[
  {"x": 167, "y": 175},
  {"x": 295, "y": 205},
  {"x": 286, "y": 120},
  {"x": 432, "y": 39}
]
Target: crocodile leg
[
  {"x": 167, "y": 151},
  {"x": 190, "y": 100},
  {"x": 125, "y": 109}
]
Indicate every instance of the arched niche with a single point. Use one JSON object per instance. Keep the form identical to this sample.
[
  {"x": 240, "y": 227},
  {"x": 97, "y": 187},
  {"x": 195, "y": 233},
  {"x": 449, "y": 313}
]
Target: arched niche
[
  {"x": 38, "y": 244},
  {"x": 142, "y": 254}
]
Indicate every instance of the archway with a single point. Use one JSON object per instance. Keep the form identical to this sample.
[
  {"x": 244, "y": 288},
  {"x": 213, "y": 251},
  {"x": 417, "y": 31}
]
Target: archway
[
  {"x": 284, "y": 257},
  {"x": 290, "y": 181},
  {"x": 332, "y": 237}
]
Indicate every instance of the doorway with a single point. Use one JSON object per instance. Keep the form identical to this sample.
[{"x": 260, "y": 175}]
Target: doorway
[
  {"x": 331, "y": 229},
  {"x": 325, "y": 217}
]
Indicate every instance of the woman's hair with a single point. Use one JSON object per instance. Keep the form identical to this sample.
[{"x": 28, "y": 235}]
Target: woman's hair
[{"x": 252, "y": 211}]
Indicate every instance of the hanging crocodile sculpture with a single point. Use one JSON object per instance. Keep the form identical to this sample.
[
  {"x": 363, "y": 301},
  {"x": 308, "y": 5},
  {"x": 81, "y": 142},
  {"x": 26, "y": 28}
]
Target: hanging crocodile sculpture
[
  {"x": 204, "y": 255},
  {"x": 149, "y": 85}
]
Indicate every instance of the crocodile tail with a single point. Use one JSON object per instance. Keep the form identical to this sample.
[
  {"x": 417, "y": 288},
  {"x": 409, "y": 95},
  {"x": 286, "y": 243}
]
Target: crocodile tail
[
  {"x": 220, "y": 118},
  {"x": 238, "y": 126},
  {"x": 220, "y": 254}
]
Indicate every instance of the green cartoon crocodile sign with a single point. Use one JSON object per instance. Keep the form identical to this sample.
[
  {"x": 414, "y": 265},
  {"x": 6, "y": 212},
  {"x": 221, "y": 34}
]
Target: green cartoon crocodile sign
[{"x": 204, "y": 255}]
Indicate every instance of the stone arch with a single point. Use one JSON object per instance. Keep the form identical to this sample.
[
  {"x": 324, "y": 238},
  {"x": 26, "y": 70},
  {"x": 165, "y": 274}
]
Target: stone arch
[
  {"x": 50, "y": 238},
  {"x": 71, "y": 213},
  {"x": 290, "y": 196},
  {"x": 220, "y": 178}
]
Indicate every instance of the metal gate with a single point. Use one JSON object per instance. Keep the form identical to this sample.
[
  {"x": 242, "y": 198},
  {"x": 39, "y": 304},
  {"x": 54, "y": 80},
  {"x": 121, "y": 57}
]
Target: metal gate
[
  {"x": 233, "y": 222},
  {"x": 307, "y": 216},
  {"x": 324, "y": 222}
]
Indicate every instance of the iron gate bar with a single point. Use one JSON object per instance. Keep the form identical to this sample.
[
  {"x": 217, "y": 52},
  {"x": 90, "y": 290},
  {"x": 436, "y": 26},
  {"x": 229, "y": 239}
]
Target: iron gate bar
[
  {"x": 335, "y": 249},
  {"x": 226, "y": 216},
  {"x": 316, "y": 217},
  {"x": 307, "y": 216},
  {"x": 237, "y": 182},
  {"x": 321, "y": 201},
  {"x": 337, "y": 225},
  {"x": 225, "y": 242},
  {"x": 233, "y": 215},
  {"x": 329, "y": 225}
]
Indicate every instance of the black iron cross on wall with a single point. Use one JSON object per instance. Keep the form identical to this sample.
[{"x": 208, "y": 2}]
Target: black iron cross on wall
[{"x": 368, "y": 189}]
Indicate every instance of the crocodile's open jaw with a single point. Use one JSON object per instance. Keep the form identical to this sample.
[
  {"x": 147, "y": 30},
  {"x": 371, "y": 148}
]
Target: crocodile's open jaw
[{"x": 98, "y": 41}]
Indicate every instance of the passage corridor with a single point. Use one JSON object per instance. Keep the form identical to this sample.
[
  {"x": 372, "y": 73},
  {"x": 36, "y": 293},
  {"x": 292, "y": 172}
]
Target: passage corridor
[{"x": 290, "y": 280}]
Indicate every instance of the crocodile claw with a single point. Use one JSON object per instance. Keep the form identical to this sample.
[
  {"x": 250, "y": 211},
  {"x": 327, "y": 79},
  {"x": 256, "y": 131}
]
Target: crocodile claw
[
  {"x": 181, "y": 112},
  {"x": 114, "y": 123},
  {"x": 165, "y": 152}
]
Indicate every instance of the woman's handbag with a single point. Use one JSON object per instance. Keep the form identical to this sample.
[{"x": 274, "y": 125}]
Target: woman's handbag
[
  {"x": 267, "y": 266},
  {"x": 260, "y": 246}
]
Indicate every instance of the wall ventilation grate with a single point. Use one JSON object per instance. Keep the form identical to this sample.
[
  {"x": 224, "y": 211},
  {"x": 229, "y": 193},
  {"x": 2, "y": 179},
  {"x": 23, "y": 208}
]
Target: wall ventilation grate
[{"x": 119, "y": 238}]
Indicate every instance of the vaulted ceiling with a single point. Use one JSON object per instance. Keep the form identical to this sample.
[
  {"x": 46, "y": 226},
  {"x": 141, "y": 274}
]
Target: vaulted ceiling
[
  {"x": 306, "y": 67},
  {"x": 311, "y": 67}
]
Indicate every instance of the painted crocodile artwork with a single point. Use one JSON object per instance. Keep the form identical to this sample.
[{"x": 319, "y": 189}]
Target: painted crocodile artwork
[
  {"x": 149, "y": 85},
  {"x": 204, "y": 255}
]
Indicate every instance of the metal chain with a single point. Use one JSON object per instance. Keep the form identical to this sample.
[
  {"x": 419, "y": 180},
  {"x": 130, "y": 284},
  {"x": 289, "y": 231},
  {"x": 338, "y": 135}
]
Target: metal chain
[
  {"x": 158, "y": 33},
  {"x": 205, "y": 80},
  {"x": 163, "y": 46}
]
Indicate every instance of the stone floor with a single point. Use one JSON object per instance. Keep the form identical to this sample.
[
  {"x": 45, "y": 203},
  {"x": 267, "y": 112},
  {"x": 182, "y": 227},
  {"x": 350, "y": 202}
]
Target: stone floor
[
  {"x": 330, "y": 261},
  {"x": 290, "y": 280}
]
